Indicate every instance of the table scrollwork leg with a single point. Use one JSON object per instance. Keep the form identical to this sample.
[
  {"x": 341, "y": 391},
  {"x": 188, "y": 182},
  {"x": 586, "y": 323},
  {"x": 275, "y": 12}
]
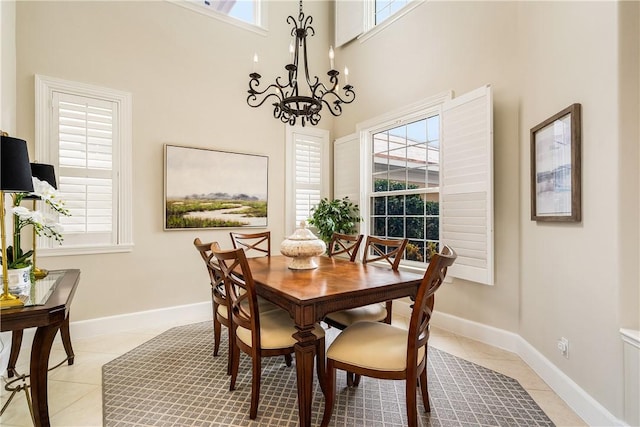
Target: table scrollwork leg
[{"x": 40, "y": 351}]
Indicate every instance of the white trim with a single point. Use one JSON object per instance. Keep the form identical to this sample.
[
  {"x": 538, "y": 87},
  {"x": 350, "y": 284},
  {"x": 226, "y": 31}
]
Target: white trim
[
  {"x": 585, "y": 406},
  {"x": 261, "y": 11},
  {"x": 371, "y": 29},
  {"x": 631, "y": 337},
  {"x": 157, "y": 319},
  {"x": 44, "y": 89}
]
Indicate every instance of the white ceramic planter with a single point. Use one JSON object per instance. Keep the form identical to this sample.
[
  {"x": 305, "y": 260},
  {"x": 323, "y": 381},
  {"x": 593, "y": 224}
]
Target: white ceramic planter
[
  {"x": 302, "y": 246},
  {"x": 19, "y": 279}
]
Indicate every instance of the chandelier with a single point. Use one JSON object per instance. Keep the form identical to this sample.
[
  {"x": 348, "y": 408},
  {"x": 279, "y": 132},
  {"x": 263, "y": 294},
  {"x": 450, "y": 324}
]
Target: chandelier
[{"x": 292, "y": 98}]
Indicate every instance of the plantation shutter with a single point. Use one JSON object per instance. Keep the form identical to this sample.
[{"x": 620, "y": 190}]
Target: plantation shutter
[
  {"x": 85, "y": 133},
  {"x": 467, "y": 184},
  {"x": 307, "y": 162},
  {"x": 346, "y": 168}
]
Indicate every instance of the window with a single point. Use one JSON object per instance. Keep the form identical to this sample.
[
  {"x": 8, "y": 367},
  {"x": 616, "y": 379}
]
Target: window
[
  {"x": 386, "y": 8},
  {"x": 405, "y": 185},
  {"x": 354, "y": 18},
  {"x": 85, "y": 133},
  {"x": 427, "y": 171},
  {"x": 244, "y": 13},
  {"x": 307, "y": 174}
]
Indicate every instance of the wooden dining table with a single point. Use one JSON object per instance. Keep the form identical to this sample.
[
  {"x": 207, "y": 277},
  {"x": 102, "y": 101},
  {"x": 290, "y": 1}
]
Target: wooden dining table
[{"x": 308, "y": 295}]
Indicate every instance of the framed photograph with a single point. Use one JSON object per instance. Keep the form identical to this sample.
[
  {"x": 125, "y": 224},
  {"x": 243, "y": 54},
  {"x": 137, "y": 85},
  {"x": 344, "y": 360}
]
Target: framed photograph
[
  {"x": 214, "y": 189},
  {"x": 555, "y": 167}
]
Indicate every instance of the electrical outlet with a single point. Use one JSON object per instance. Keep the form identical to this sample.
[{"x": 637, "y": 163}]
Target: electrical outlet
[{"x": 563, "y": 347}]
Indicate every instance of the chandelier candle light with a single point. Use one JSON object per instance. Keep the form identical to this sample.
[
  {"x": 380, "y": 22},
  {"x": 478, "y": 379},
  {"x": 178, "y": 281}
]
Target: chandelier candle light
[{"x": 293, "y": 98}]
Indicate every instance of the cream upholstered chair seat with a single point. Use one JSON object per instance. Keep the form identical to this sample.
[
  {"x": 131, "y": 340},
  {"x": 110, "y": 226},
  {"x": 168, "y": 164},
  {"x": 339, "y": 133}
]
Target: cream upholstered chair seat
[
  {"x": 383, "y": 351},
  {"x": 276, "y": 330},
  {"x": 264, "y": 305},
  {"x": 371, "y": 313},
  {"x": 373, "y": 345}
]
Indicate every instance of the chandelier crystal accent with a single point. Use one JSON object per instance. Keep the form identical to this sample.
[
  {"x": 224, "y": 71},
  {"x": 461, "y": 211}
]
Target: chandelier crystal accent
[{"x": 292, "y": 98}]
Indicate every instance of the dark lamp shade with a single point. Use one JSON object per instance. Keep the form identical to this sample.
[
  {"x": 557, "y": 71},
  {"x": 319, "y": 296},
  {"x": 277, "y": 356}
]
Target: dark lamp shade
[
  {"x": 45, "y": 173},
  {"x": 15, "y": 170}
]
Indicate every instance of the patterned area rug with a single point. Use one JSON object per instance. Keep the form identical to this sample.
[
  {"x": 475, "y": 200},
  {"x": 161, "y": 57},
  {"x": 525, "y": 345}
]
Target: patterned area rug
[{"x": 173, "y": 380}]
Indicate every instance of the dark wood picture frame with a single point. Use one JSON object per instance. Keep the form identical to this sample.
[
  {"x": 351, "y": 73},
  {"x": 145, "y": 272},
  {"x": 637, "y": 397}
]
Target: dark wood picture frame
[{"x": 556, "y": 193}]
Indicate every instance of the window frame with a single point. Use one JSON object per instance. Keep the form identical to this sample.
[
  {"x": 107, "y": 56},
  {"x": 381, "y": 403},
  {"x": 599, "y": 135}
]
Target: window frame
[
  {"x": 45, "y": 87},
  {"x": 421, "y": 110},
  {"x": 259, "y": 27}
]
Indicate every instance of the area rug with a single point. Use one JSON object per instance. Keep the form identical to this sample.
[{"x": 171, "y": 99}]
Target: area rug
[{"x": 173, "y": 380}]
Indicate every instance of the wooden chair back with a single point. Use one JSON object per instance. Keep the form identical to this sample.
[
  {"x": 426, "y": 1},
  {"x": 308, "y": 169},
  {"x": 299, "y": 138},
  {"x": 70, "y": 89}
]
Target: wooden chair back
[
  {"x": 345, "y": 244},
  {"x": 390, "y": 250},
  {"x": 425, "y": 300},
  {"x": 218, "y": 293},
  {"x": 254, "y": 244},
  {"x": 240, "y": 289}
]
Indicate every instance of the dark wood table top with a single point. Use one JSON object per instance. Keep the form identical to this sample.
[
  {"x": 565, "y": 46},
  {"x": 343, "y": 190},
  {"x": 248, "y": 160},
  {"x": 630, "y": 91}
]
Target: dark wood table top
[{"x": 335, "y": 285}]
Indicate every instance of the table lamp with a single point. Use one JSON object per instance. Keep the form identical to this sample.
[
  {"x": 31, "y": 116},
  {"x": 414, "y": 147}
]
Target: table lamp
[
  {"x": 45, "y": 173},
  {"x": 15, "y": 177}
]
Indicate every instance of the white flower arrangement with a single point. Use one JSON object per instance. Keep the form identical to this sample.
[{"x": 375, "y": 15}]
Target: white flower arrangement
[{"x": 43, "y": 224}]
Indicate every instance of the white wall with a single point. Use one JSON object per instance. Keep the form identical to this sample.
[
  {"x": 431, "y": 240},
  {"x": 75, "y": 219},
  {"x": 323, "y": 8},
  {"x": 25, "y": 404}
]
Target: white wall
[
  {"x": 188, "y": 74},
  {"x": 7, "y": 66}
]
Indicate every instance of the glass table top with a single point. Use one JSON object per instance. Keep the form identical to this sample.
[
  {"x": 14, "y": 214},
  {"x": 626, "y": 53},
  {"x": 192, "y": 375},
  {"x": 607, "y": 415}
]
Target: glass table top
[{"x": 38, "y": 293}]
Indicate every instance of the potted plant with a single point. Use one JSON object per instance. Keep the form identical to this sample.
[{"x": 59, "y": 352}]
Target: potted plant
[{"x": 335, "y": 216}]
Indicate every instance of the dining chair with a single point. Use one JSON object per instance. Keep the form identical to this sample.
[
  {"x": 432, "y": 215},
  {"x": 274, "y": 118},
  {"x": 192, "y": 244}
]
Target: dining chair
[
  {"x": 384, "y": 351},
  {"x": 258, "y": 334},
  {"x": 218, "y": 298},
  {"x": 376, "y": 249},
  {"x": 219, "y": 301},
  {"x": 347, "y": 244},
  {"x": 254, "y": 244}
]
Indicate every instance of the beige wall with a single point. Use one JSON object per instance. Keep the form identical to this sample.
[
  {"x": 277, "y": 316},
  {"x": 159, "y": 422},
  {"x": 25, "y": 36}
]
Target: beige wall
[
  {"x": 188, "y": 74},
  {"x": 579, "y": 280}
]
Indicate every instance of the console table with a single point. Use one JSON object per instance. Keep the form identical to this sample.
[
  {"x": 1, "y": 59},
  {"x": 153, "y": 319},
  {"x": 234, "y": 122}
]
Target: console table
[{"x": 47, "y": 309}]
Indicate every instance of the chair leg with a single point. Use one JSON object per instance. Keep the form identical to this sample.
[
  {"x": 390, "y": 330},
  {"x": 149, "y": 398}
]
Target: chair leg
[
  {"x": 288, "y": 359},
  {"x": 330, "y": 393},
  {"x": 217, "y": 333},
  {"x": 234, "y": 366},
  {"x": 232, "y": 349},
  {"x": 412, "y": 415},
  {"x": 425, "y": 390},
  {"x": 321, "y": 364},
  {"x": 350, "y": 379},
  {"x": 356, "y": 380},
  {"x": 255, "y": 385}
]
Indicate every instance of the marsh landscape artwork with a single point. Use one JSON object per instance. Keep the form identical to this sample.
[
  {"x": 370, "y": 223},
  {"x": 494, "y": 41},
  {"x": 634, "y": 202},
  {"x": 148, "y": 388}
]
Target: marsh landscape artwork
[{"x": 214, "y": 189}]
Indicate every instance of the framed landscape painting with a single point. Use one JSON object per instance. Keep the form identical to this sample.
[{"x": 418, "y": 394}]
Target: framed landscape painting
[{"x": 214, "y": 189}]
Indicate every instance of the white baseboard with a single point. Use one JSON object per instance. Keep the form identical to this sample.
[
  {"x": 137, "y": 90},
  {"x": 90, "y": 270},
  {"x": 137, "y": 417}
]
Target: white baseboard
[
  {"x": 587, "y": 408},
  {"x": 160, "y": 318},
  {"x": 591, "y": 411}
]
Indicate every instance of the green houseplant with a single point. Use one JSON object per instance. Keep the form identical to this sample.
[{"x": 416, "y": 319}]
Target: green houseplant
[{"x": 335, "y": 216}]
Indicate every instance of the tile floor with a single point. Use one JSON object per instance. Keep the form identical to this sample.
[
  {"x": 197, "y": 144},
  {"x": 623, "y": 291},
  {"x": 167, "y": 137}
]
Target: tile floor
[{"x": 75, "y": 395}]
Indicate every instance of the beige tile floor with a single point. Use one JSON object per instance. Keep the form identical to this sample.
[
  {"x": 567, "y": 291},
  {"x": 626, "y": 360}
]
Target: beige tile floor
[{"x": 75, "y": 395}]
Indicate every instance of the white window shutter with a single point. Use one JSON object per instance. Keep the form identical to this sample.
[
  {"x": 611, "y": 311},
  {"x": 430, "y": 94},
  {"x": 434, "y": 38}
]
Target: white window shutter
[
  {"x": 346, "y": 168},
  {"x": 466, "y": 197},
  {"x": 307, "y": 154},
  {"x": 349, "y": 20},
  {"x": 85, "y": 138}
]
